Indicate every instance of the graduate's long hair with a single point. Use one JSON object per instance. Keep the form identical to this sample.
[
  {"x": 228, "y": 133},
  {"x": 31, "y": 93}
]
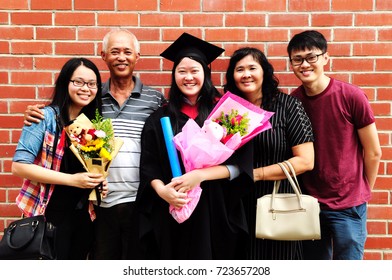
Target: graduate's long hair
[
  {"x": 61, "y": 96},
  {"x": 207, "y": 98},
  {"x": 270, "y": 84}
]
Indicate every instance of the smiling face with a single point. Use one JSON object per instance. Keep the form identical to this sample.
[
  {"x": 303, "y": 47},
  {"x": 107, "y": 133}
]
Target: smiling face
[
  {"x": 248, "y": 77},
  {"x": 81, "y": 95},
  {"x": 120, "y": 55},
  {"x": 309, "y": 73},
  {"x": 189, "y": 76}
]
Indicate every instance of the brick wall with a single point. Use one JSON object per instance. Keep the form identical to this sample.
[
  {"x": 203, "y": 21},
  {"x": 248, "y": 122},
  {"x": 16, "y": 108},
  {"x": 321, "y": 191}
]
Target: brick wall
[{"x": 38, "y": 36}]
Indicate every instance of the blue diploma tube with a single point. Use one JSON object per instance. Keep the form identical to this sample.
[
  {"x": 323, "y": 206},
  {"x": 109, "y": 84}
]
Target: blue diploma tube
[{"x": 171, "y": 149}]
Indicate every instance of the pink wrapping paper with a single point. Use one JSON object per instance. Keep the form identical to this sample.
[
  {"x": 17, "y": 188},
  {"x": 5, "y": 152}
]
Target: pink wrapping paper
[{"x": 199, "y": 150}]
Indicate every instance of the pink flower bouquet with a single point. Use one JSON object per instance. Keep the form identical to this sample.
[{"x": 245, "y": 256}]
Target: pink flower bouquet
[{"x": 233, "y": 122}]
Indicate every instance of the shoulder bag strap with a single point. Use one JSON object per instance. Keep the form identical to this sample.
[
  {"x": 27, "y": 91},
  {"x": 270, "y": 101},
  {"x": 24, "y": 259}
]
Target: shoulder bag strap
[{"x": 55, "y": 141}]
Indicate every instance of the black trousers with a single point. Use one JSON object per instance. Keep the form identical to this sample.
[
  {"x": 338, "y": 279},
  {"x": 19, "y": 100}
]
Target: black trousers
[{"x": 113, "y": 229}]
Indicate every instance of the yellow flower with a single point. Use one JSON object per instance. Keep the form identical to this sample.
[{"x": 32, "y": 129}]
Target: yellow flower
[{"x": 104, "y": 153}]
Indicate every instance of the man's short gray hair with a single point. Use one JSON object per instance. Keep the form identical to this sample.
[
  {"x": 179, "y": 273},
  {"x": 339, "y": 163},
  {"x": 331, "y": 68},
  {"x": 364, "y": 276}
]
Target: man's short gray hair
[{"x": 116, "y": 30}]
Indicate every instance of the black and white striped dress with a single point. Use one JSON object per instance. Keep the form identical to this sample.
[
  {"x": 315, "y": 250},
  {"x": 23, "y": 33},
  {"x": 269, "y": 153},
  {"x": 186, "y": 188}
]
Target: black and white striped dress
[{"x": 290, "y": 127}]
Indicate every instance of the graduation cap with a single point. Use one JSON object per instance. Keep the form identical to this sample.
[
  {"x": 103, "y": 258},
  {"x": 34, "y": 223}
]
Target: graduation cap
[{"x": 190, "y": 46}]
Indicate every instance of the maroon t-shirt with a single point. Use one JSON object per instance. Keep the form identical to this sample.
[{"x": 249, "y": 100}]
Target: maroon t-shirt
[{"x": 338, "y": 179}]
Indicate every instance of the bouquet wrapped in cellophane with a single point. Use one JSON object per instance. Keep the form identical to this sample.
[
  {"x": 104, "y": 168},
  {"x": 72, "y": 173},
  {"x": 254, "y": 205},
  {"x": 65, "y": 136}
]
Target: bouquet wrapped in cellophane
[
  {"x": 94, "y": 144},
  {"x": 233, "y": 122}
]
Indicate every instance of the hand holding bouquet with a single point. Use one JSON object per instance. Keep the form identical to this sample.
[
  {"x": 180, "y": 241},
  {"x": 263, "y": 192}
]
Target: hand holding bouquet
[
  {"x": 94, "y": 144},
  {"x": 233, "y": 122}
]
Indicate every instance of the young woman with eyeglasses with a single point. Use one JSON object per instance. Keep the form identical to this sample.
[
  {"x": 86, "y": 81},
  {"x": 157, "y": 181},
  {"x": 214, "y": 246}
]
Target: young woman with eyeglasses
[{"x": 58, "y": 172}]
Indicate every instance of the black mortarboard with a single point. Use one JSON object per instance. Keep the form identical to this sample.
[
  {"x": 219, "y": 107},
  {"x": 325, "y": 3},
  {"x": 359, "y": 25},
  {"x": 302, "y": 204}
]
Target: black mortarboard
[{"x": 190, "y": 46}]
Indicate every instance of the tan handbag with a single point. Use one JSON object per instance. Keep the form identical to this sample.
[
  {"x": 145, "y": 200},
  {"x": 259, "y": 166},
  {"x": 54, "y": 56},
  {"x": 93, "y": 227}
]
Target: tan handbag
[{"x": 288, "y": 216}]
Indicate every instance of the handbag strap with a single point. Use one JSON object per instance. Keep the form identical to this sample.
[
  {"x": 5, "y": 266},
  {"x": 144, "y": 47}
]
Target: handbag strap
[
  {"x": 294, "y": 184},
  {"x": 293, "y": 174}
]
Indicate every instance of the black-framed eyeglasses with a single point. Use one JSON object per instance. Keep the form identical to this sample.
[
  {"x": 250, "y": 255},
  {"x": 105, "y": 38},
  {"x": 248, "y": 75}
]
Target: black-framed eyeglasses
[
  {"x": 80, "y": 83},
  {"x": 297, "y": 61}
]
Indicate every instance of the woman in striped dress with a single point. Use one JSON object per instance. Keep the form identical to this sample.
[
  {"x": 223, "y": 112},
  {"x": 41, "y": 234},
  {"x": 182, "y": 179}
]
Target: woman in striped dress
[{"x": 251, "y": 76}]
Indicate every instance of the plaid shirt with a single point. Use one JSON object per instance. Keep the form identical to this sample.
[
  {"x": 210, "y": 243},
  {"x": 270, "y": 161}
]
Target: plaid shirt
[{"x": 31, "y": 196}]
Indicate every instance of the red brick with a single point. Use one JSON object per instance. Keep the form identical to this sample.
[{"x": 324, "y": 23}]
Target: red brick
[
  {"x": 74, "y": 18},
  {"x": 372, "y": 255},
  {"x": 16, "y": 135},
  {"x": 385, "y": 34},
  {"x": 309, "y": 6},
  {"x": 376, "y": 227},
  {"x": 179, "y": 6},
  {"x": 156, "y": 79},
  {"x": 381, "y": 109},
  {"x": 56, "y": 33},
  {"x": 95, "y": 5},
  {"x": 332, "y": 19},
  {"x": 389, "y": 168},
  {"x": 44, "y": 94},
  {"x": 221, "y": 5},
  {"x": 51, "y": 5},
  {"x": 387, "y": 255},
  {"x": 137, "y": 5},
  {"x": 16, "y": 62},
  {"x": 223, "y": 35},
  {"x": 14, "y": 5},
  {"x": 34, "y": 18},
  {"x": 4, "y": 77},
  {"x": 373, "y": 19},
  {"x": 384, "y": 140},
  {"x": 376, "y": 48},
  {"x": 380, "y": 212},
  {"x": 28, "y": 78},
  {"x": 5, "y": 136},
  {"x": 171, "y": 34},
  {"x": 3, "y": 18},
  {"x": 9, "y": 210},
  {"x": 14, "y": 33},
  {"x": 8, "y": 150},
  {"x": 159, "y": 20},
  {"x": 384, "y": 64},
  {"x": 235, "y": 20},
  {"x": 265, "y": 6},
  {"x": 74, "y": 48},
  {"x": 383, "y": 5},
  {"x": 50, "y": 63},
  {"x": 3, "y": 195},
  {"x": 203, "y": 20},
  {"x": 375, "y": 79},
  {"x": 352, "y": 34},
  {"x": 380, "y": 197},
  {"x": 4, "y": 47},
  {"x": 349, "y": 5},
  {"x": 7, "y": 164},
  {"x": 118, "y": 19},
  {"x": 379, "y": 242},
  {"x": 384, "y": 93},
  {"x": 33, "y": 47},
  {"x": 283, "y": 20},
  {"x": 148, "y": 64},
  {"x": 339, "y": 49},
  {"x": 349, "y": 64},
  {"x": 10, "y": 91},
  {"x": 267, "y": 35}
]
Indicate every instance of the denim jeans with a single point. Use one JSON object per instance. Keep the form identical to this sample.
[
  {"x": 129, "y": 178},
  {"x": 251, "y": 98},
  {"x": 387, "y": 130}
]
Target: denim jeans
[{"x": 343, "y": 235}]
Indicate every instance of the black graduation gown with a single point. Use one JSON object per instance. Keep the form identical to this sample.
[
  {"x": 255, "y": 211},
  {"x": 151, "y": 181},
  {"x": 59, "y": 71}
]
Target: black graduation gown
[{"x": 217, "y": 229}]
